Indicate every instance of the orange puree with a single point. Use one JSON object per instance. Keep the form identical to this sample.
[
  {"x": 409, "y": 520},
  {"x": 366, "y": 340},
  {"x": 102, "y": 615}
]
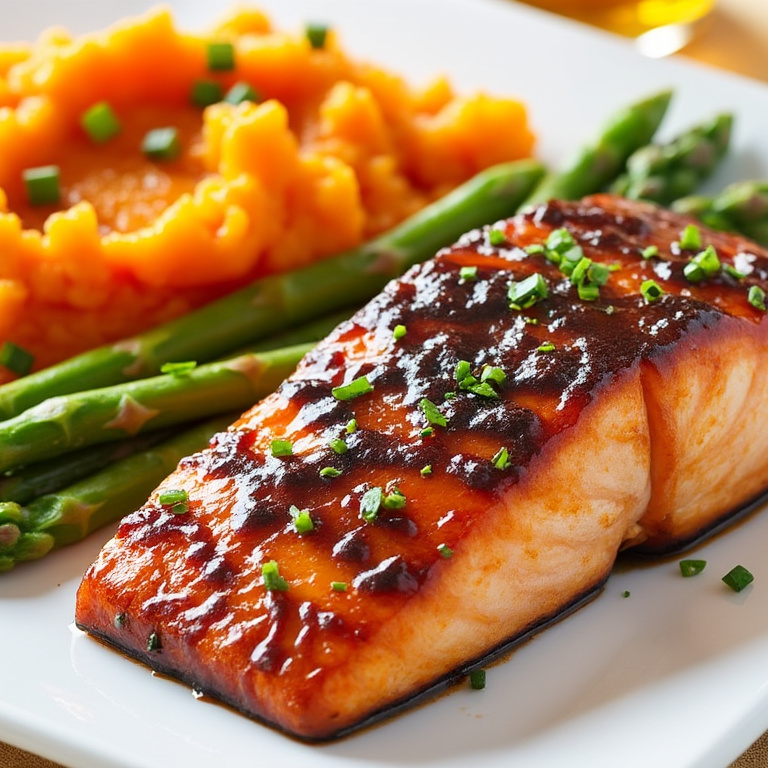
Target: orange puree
[{"x": 333, "y": 151}]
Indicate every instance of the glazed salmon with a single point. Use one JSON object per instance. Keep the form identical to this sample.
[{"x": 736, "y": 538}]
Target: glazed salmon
[{"x": 454, "y": 467}]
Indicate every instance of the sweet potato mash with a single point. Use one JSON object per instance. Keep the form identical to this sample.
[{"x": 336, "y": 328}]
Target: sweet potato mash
[{"x": 320, "y": 153}]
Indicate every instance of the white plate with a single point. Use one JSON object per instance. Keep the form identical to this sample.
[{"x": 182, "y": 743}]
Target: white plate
[{"x": 674, "y": 675}]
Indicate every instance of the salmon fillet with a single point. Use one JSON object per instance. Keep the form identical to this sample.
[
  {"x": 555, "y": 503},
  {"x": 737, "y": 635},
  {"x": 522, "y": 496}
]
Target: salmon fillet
[{"x": 466, "y": 461}]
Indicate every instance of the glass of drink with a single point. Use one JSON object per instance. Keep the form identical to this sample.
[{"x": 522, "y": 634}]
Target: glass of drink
[{"x": 661, "y": 26}]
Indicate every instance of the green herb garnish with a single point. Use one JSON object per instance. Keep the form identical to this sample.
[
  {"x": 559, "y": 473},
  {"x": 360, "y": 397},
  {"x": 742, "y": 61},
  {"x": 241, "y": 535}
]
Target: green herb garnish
[
  {"x": 330, "y": 472},
  {"x": 351, "y": 426},
  {"x": 42, "y": 184},
  {"x": 433, "y": 414},
  {"x": 16, "y": 359},
  {"x": 547, "y": 346},
  {"x": 370, "y": 503},
  {"x": 281, "y": 448},
  {"x": 690, "y": 237},
  {"x": 270, "y": 575},
  {"x": 175, "y": 500},
  {"x": 444, "y": 551},
  {"x": 398, "y": 332},
  {"x": 477, "y": 679},
  {"x": 651, "y": 290},
  {"x": 691, "y": 567},
  {"x": 756, "y": 297},
  {"x": 426, "y": 470},
  {"x": 316, "y": 34},
  {"x": 394, "y": 500},
  {"x": 100, "y": 122},
  {"x": 220, "y": 57},
  {"x": 241, "y": 92},
  {"x": 355, "y": 388},
  {"x": 162, "y": 144},
  {"x": 302, "y": 521},
  {"x": 496, "y": 237},
  {"x": 337, "y": 445},
  {"x": 501, "y": 460},
  {"x": 650, "y": 252},
  {"x": 339, "y": 586},
  {"x": 205, "y": 92},
  {"x": 468, "y": 274},
  {"x": 527, "y": 292},
  {"x": 738, "y": 578}
]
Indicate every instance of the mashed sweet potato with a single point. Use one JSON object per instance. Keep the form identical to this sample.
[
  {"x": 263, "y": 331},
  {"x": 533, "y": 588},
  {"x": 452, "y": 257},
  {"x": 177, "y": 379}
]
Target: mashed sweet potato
[{"x": 330, "y": 152}]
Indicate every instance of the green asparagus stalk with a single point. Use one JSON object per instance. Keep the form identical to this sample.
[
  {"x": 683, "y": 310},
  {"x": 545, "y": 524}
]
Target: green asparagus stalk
[
  {"x": 27, "y": 483},
  {"x": 54, "y": 520},
  {"x": 279, "y": 302},
  {"x": 741, "y": 207},
  {"x": 103, "y": 415},
  {"x": 663, "y": 173},
  {"x": 597, "y": 164}
]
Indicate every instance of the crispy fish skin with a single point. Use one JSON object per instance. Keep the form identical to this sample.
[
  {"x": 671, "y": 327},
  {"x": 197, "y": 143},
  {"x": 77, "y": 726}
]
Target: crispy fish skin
[{"x": 609, "y": 438}]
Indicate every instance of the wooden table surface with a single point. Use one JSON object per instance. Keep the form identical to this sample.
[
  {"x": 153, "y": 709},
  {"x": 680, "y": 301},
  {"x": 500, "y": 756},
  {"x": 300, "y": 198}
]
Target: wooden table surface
[{"x": 734, "y": 37}]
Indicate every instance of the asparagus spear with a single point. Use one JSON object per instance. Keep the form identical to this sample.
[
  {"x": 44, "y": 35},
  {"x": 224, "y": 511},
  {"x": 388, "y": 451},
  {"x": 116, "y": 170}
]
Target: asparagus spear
[
  {"x": 281, "y": 301},
  {"x": 54, "y": 520},
  {"x": 103, "y": 415},
  {"x": 741, "y": 207},
  {"x": 663, "y": 173},
  {"x": 597, "y": 164}
]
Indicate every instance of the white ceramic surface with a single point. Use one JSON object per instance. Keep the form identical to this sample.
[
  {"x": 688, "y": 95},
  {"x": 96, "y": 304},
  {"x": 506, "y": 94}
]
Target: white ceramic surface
[{"x": 674, "y": 675}]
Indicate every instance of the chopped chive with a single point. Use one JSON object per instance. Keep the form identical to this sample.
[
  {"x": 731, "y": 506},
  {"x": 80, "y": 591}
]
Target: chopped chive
[
  {"x": 579, "y": 273},
  {"x": 316, "y": 34},
  {"x": 560, "y": 240},
  {"x": 169, "y": 498},
  {"x": 706, "y": 263},
  {"x": 610, "y": 309},
  {"x": 153, "y": 642},
  {"x": 449, "y": 396},
  {"x": 756, "y": 297},
  {"x": 339, "y": 586},
  {"x": 625, "y": 593},
  {"x": 598, "y": 274},
  {"x": 426, "y": 470},
  {"x": 532, "y": 250},
  {"x": 496, "y": 237},
  {"x": 100, "y": 122},
  {"x": 493, "y": 373},
  {"x": 462, "y": 370},
  {"x": 690, "y": 237},
  {"x": 651, "y": 290},
  {"x": 241, "y": 92},
  {"x": 398, "y": 332},
  {"x": 351, "y": 426},
  {"x": 501, "y": 460},
  {"x": 468, "y": 274},
  {"x": 370, "y": 503},
  {"x": 161, "y": 144},
  {"x": 338, "y": 445},
  {"x": 205, "y": 92},
  {"x": 547, "y": 346},
  {"x": 42, "y": 185},
  {"x": 355, "y": 388},
  {"x": 330, "y": 472},
  {"x": 433, "y": 414},
  {"x": 531, "y": 320},
  {"x": 588, "y": 292},
  {"x": 427, "y": 432},
  {"x": 738, "y": 578},
  {"x": 691, "y": 567},
  {"x": 444, "y": 551},
  {"x": 302, "y": 521},
  {"x": 271, "y": 578},
  {"x": 16, "y": 359},
  {"x": 220, "y": 57},
  {"x": 394, "y": 500},
  {"x": 730, "y": 270},
  {"x": 477, "y": 679},
  {"x": 281, "y": 448},
  {"x": 525, "y": 293},
  {"x": 178, "y": 369},
  {"x": 650, "y": 252}
]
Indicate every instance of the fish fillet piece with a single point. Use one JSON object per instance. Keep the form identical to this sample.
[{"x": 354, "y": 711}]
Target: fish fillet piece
[{"x": 476, "y": 482}]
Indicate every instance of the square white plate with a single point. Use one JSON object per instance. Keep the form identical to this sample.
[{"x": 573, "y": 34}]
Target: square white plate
[{"x": 674, "y": 675}]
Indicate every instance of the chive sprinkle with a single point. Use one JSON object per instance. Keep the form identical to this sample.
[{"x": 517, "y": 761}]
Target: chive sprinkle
[
  {"x": 444, "y": 551},
  {"x": 370, "y": 503},
  {"x": 339, "y": 586},
  {"x": 468, "y": 274},
  {"x": 501, "y": 460},
  {"x": 316, "y": 34},
  {"x": 271, "y": 578},
  {"x": 625, "y": 593},
  {"x": 690, "y": 237},
  {"x": 588, "y": 292},
  {"x": 756, "y": 297},
  {"x": 427, "y": 432},
  {"x": 337, "y": 445},
  {"x": 241, "y": 92},
  {"x": 477, "y": 679},
  {"x": 281, "y": 448},
  {"x": 394, "y": 500},
  {"x": 100, "y": 122},
  {"x": 220, "y": 57},
  {"x": 355, "y": 388},
  {"x": 496, "y": 237},
  {"x": 161, "y": 144},
  {"x": 534, "y": 249},
  {"x": 525, "y": 293},
  {"x": 178, "y": 369},
  {"x": 175, "y": 500},
  {"x": 547, "y": 346},
  {"x": 351, "y": 426},
  {"x": 650, "y": 252},
  {"x": 330, "y": 472},
  {"x": 16, "y": 359},
  {"x": 690, "y": 568},
  {"x": 706, "y": 263},
  {"x": 426, "y": 470},
  {"x": 398, "y": 332},
  {"x": 42, "y": 184},
  {"x": 433, "y": 414},
  {"x": 205, "y": 92},
  {"x": 731, "y": 271},
  {"x": 738, "y": 578},
  {"x": 302, "y": 520},
  {"x": 651, "y": 290}
]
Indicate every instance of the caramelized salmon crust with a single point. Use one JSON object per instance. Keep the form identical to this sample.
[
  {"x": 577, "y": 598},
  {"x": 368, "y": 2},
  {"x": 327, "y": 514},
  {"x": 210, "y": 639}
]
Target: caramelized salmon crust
[{"x": 467, "y": 456}]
